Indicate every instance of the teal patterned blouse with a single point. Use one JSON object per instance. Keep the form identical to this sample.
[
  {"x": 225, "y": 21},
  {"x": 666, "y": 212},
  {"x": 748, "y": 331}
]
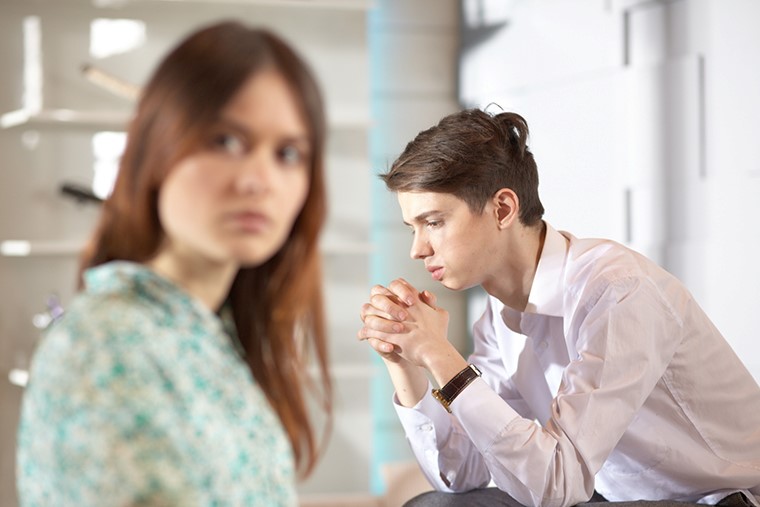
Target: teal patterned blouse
[{"x": 139, "y": 396}]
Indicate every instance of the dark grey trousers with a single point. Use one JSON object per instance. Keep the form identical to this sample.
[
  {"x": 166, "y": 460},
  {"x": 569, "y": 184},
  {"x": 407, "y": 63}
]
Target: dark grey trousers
[{"x": 493, "y": 497}]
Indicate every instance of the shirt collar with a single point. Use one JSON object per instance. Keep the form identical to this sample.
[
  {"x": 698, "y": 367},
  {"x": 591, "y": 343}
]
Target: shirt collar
[{"x": 547, "y": 293}]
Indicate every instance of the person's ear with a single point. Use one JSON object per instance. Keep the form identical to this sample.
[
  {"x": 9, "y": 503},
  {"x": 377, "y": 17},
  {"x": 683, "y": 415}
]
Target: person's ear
[{"x": 507, "y": 207}]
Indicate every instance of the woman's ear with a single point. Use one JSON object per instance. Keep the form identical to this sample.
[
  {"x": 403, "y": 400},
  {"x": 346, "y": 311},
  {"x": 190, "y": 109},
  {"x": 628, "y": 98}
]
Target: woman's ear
[{"x": 507, "y": 206}]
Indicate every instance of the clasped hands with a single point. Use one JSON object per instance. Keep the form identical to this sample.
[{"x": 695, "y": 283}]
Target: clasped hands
[{"x": 401, "y": 323}]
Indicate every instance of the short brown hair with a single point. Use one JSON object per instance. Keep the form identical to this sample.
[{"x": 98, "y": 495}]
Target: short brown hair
[{"x": 471, "y": 154}]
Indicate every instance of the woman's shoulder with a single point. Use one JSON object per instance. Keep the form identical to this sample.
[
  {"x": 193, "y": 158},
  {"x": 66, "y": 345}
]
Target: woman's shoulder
[
  {"x": 103, "y": 319},
  {"x": 95, "y": 334}
]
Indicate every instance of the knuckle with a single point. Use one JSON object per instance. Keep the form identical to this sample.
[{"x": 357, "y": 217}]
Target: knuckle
[{"x": 378, "y": 300}]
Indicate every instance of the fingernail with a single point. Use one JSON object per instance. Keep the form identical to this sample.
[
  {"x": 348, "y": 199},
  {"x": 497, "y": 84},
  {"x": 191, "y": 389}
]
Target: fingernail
[
  {"x": 401, "y": 315},
  {"x": 398, "y": 328}
]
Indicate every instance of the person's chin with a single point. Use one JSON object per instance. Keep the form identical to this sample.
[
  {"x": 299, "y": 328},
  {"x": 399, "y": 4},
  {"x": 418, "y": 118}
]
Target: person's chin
[
  {"x": 451, "y": 284},
  {"x": 255, "y": 258},
  {"x": 456, "y": 285}
]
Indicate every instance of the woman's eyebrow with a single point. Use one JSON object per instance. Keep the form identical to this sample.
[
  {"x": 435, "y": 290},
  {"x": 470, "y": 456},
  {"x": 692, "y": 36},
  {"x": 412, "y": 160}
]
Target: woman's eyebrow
[{"x": 299, "y": 137}]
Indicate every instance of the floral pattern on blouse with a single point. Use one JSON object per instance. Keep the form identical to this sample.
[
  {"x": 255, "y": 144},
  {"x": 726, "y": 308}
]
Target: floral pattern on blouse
[{"x": 138, "y": 396}]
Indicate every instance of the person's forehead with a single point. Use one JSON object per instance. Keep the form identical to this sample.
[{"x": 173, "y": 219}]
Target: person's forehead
[{"x": 419, "y": 204}]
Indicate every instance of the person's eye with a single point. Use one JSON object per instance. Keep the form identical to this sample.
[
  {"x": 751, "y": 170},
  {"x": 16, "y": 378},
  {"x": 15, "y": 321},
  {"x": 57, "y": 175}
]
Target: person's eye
[
  {"x": 230, "y": 143},
  {"x": 291, "y": 155},
  {"x": 433, "y": 224}
]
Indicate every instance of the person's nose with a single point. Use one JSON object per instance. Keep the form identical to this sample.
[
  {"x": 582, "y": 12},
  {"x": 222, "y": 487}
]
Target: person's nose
[
  {"x": 420, "y": 246},
  {"x": 255, "y": 176}
]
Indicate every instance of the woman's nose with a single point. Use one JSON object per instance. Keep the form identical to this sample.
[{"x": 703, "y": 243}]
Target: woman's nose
[{"x": 255, "y": 174}]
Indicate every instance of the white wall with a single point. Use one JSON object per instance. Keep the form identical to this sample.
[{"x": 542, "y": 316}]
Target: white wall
[{"x": 643, "y": 118}]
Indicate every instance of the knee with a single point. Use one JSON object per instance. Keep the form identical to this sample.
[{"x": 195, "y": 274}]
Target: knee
[{"x": 432, "y": 499}]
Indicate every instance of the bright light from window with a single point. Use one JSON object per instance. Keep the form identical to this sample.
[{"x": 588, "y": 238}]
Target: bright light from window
[
  {"x": 107, "y": 148},
  {"x": 15, "y": 248},
  {"x": 32, "y": 99},
  {"x": 115, "y": 36}
]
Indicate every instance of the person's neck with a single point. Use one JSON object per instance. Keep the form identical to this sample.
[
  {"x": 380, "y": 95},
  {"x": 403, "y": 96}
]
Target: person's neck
[
  {"x": 206, "y": 281},
  {"x": 513, "y": 278}
]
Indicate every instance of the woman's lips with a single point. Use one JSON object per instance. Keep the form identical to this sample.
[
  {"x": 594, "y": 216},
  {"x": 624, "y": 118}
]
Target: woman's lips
[{"x": 250, "y": 221}]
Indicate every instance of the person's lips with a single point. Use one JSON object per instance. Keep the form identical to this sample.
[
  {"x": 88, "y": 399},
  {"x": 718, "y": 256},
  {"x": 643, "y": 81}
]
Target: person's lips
[
  {"x": 436, "y": 272},
  {"x": 250, "y": 221}
]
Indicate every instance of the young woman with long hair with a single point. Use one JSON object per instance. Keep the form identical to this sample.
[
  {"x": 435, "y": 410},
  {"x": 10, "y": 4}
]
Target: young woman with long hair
[{"x": 177, "y": 375}]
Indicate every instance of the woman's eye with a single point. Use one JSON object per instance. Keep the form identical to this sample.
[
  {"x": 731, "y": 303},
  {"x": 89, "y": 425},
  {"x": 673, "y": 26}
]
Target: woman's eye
[
  {"x": 433, "y": 224},
  {"x": 230, "y": 143},
  {"x": 290, "y": 155}
]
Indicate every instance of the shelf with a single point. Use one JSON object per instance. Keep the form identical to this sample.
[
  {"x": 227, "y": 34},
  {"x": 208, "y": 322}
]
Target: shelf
[
  {"x": 347, "y": 120},
  {"x": 25, "y": 248},
  {"x": 18, "y": 377},
  {"x": 354, "y": 5},
  {"x": 346, "y": 248},
  {"x": 65, "y": 117},
  {"x": 344, "y": 120}
]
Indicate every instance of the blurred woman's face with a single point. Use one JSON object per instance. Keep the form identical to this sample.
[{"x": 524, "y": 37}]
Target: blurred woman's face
[{"x": 234, "y": 201}]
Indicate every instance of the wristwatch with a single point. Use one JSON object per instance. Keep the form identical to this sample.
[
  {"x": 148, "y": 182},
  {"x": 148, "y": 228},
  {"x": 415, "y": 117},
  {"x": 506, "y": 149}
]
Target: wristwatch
[{"x": 446, "y": 394}]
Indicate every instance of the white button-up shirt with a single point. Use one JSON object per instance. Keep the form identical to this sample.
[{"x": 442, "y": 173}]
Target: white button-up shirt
[{"x": 612, "y": 379}]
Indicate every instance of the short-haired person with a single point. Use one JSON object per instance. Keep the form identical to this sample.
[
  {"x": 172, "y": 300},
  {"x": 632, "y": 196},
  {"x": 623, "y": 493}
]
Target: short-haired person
[
  {"x": 623, "y": 390},
  {"x": 176, "y": 376}
]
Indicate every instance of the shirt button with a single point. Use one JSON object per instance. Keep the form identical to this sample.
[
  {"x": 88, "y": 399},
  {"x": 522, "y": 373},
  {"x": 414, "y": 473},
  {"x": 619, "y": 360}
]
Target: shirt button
[{"x": 426, "y": 427}]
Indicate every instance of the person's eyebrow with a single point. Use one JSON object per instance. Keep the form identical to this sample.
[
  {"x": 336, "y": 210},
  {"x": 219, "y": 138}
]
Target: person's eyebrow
[
  {"x": 299, "y": 138},
  {"x": 423, "y": 216},
  {"x": 224, "y": 122}
]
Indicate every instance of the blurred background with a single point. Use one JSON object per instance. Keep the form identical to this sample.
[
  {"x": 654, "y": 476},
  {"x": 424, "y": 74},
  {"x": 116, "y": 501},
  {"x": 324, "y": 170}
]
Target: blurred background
[{"x": 644, "y": 117}]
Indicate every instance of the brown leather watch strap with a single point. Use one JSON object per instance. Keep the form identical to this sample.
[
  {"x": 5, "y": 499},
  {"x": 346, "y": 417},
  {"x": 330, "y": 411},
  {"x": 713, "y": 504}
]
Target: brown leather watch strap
[{"x": 456, "y": 385}]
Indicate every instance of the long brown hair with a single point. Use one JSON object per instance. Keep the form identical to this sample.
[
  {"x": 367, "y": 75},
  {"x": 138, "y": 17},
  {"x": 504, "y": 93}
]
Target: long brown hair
[
  {"x": 471, "y": 154},
  {"x": 277, "y": 306}
]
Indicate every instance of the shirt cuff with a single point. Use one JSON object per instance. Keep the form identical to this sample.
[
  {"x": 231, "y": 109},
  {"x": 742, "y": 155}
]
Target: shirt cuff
[
  {"x": 482, "y": 413},
  {"x": 426, "y": 416}
]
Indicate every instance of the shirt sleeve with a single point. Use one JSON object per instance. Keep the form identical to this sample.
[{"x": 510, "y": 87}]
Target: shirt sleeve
[
  {"x": 625, "y": 335},
  {"x": 446, "y": 454},
  {"x": 96, "y": 424},
  {"x": 441, "y": 446}
]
